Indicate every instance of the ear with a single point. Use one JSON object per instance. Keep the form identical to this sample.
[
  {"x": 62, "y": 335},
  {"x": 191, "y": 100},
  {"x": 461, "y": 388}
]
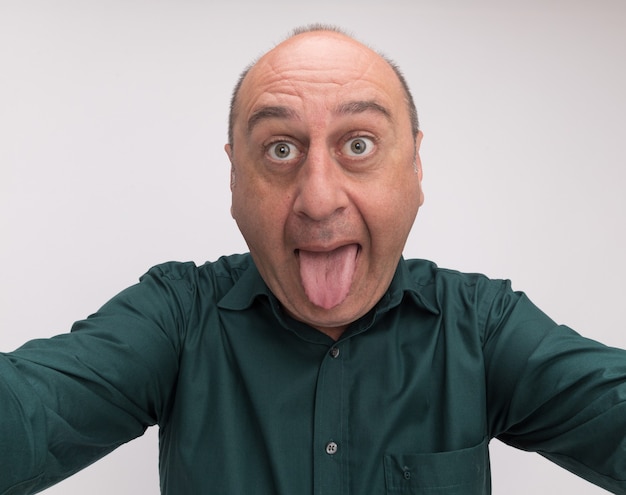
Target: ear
[
  {"x": 418, "y": 160},
  {"x": 229, "y": 151},
  {"x": 418, "y": 165}
]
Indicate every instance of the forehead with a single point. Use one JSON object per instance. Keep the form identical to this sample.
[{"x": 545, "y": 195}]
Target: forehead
[{"x": 319, "y": 70}]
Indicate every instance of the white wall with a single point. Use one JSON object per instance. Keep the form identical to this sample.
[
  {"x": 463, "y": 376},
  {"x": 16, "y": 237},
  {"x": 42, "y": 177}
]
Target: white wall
[{"x": 113, "y": 118}]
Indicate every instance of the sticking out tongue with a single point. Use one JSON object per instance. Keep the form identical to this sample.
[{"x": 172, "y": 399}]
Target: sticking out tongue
[{"x": 327, "y": 276}]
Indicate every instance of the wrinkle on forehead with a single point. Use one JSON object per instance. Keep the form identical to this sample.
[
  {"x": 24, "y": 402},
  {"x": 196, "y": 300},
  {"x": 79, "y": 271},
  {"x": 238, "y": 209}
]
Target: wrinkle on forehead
[
  {"x": 285, "y": 70},
  {"x": 307, "y": 79},
  {"x": 318, "y": 57}
]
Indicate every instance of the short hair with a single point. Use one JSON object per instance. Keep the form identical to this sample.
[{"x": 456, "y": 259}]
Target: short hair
[{"x": 325, "y": 27}]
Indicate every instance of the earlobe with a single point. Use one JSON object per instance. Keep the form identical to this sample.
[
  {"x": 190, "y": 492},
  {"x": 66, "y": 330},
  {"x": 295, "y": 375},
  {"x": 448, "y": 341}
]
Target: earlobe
[{"x": 418, "y": 140}]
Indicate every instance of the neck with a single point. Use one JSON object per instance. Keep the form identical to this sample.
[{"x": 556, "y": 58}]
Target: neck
[{"x": 333, "y": 332}]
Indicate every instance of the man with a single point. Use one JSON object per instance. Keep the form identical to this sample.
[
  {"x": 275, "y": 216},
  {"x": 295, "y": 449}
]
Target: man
[{"x": 322, "y": 362}]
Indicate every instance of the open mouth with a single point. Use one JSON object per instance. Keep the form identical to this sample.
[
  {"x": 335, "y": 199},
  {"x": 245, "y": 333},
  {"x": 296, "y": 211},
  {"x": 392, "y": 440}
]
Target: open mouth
[{"x": 327, "y": 276}]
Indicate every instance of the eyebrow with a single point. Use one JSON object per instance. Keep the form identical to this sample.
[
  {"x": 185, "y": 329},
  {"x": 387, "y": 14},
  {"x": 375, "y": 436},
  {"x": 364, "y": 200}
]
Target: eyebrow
[
  {"x": 270, "y": 112},
  {"x": 360, "y": 106}
]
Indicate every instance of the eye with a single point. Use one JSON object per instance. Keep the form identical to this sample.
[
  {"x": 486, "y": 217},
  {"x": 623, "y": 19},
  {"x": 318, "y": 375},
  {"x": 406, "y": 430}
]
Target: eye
[
  {"x": 283, "y": 151},
  {"x": 358, "y": 146}
]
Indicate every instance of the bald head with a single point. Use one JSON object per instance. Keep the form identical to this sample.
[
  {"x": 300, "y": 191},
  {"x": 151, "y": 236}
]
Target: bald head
[{"x": 332, "y": 33}]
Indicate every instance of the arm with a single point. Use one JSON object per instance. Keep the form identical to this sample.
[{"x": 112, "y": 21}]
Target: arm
[
  {"x": 67, "y": 401},
  {"x": 552, "y": 391}
]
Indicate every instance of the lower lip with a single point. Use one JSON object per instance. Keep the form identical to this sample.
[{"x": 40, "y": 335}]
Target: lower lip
[{"x": 297, "y": 250}]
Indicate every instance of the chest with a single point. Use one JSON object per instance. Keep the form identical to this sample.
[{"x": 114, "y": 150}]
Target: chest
[{"x": 258, "y": 409}]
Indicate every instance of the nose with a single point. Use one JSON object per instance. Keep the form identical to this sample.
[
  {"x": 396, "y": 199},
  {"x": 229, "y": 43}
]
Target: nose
[{"x": 321, "y": 184}]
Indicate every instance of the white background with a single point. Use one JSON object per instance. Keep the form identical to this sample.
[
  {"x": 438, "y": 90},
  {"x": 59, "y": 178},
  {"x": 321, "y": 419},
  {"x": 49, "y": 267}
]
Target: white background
[{"x": 113, "y": 119}]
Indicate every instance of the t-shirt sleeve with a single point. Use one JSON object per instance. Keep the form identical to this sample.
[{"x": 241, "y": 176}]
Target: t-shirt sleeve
[
  {"x": 67, "y": 401},
  {"x": 555, "y": 392}
]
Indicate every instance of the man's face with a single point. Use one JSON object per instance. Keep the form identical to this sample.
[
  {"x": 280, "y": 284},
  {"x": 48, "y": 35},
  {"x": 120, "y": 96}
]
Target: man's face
[{"x": 326, "y": 176}]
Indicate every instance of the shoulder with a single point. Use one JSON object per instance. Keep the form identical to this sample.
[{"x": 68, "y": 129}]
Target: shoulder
[
  {"x": 216, "y": 276},
  {"x": 446, "y": 291},
  {"x": 425, "y": 273},
  {"x": 231, "y": 266}
]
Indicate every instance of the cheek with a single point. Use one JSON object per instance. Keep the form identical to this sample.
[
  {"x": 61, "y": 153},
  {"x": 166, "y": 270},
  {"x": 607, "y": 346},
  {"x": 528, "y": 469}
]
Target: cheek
[
  {"x": 391, "y": 210},
  {"x": 259, "y": 213}
]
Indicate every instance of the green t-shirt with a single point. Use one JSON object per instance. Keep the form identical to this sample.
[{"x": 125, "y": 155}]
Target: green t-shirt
[{"x": 250, "y": 401}]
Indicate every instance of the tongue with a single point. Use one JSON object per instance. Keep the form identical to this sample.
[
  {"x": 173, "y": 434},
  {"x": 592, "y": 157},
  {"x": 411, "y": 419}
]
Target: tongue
[{"x": 327, "y": 277}]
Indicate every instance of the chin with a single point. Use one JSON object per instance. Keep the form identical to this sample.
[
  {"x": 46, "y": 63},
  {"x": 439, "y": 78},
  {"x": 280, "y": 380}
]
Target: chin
[{"x": 337, "y": 316}]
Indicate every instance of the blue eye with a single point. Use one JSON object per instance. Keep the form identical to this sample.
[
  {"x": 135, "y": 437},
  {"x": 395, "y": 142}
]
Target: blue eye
[
  {"x": 282, "y": 151},
  {"x": 358, "y": 146}
]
